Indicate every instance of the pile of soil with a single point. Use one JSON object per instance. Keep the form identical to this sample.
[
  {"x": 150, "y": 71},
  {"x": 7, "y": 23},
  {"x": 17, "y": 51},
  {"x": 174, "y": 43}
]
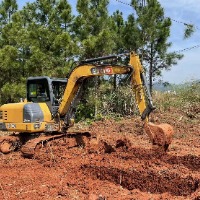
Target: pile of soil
[{"x": 115, "y": 160}]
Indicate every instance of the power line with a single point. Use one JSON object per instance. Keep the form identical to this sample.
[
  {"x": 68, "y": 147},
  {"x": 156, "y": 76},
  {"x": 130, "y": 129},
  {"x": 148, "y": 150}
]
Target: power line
[
  {"x": 187, "y": 49},
  {"x": 189, "y": 25},
  {"x": 124, "y": 3},
  {"x": 186, "y": 24}
]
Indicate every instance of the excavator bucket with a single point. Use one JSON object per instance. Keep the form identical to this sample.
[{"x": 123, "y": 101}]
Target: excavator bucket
[{"x": 160, "y": 135}]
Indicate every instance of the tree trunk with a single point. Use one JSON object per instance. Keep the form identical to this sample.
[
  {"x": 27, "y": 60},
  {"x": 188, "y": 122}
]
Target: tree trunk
[
  {"x": 115, "y": 82},
  {"x": 151, "y": 70},
  {"x": 150, "y": 78},
  {"x": 96, "y": 96}
]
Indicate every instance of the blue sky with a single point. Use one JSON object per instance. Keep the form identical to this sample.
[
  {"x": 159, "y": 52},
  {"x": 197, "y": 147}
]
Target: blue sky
[{"x": 186, "y": 11}]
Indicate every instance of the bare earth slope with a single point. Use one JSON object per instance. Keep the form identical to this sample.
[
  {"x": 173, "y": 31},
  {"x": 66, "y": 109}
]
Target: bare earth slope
[{"x": 114, "y": 160}]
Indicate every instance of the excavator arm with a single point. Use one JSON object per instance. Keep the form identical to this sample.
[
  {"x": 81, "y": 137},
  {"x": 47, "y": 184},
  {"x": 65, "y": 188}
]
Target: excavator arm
[{"x": 86, "y": 70}]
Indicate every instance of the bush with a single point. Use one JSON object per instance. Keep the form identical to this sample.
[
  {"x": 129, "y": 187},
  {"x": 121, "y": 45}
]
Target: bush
[
  {"x": 185, "y": 97},
  {"x": 110, "y": 103}
]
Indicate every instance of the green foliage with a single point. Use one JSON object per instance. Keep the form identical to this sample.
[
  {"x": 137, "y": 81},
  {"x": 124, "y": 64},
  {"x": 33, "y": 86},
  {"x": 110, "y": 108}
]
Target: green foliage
[
  {"x": 13, "y": 90},
  {"x": 92, "y": 27},
  {"x": 34, "y": 41},
  {"x": 152, "y": 32},
  {"x": 189, "y": 31},
  {"x": 189, "y": 94},
  {"x": 186, "y": 96},
  {"x": 111, "y": 103},
  {"x": 84, "y": 111}
]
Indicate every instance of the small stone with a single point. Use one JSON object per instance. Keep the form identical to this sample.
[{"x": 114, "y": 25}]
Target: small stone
[{"x": 93, "y": 197}]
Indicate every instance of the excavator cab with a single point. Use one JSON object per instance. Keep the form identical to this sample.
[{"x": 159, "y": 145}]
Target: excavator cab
[{"x": 46, "y": 90}]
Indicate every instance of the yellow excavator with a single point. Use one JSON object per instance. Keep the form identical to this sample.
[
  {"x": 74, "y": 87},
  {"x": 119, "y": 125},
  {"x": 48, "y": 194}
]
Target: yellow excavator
[{"x": 48, "y": 110}]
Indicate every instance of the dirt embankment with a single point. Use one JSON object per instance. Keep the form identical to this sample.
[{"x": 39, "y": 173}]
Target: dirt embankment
[{"x": 115, "y": 160}]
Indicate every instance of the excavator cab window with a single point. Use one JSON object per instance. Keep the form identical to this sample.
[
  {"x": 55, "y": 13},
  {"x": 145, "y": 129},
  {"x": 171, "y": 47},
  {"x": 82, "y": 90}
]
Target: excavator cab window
[
  {"x": 58, "y": 91},
  {"x": 38, "y": 90}
]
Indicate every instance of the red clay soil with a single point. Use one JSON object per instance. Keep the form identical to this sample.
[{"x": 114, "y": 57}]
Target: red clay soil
[{"x": 115, "y": 160}]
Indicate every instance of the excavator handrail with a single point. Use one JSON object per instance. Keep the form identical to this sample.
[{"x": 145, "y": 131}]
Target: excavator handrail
[{"x": 103, "y": 58}]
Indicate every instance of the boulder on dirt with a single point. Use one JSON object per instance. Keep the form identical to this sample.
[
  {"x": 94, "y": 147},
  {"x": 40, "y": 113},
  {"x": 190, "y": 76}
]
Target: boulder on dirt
[
  {"x": 6, "y": 147},
  {"x": 9, "y": 144}
]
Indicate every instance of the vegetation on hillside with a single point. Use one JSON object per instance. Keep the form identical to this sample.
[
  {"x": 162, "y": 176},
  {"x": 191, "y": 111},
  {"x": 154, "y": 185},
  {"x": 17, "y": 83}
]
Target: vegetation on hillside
[{"x": 184, "y": 97}]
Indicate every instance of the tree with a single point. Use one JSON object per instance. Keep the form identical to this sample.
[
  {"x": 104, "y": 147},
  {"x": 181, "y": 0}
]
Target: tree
[
  {"x": 7, "y": 9},
  {"x": 64, "y": 44},
  {"x": 49, "y": 39},
  {"x": 93, "y": 29},
  {"x": 10, "y": 78},
  {"x": 152, "y": 31},
  {"x": 117, "y": 33}
]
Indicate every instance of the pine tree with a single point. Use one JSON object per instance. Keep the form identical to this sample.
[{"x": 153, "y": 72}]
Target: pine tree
[
  {"x": 10, "y": 79},
  {"x": 64, "y": 45},
  {"x": 92, "y": 27},
  {"x": 153, "y": 30},
  {"x": 117, "y": 35},
  {"x": 51, "y": 47}
]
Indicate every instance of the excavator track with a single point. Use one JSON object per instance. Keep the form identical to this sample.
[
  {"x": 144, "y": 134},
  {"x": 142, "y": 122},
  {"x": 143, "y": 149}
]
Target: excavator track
[{"x": 28, "y": 149}]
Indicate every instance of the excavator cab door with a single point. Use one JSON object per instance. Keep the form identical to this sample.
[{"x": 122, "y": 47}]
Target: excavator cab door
[
  {"x": 58, "y": 91},
  {"x": 38, "y": 90}
]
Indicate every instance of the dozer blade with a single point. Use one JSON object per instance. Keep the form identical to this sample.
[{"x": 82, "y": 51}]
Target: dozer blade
[{"x": 160, "y": 135}]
